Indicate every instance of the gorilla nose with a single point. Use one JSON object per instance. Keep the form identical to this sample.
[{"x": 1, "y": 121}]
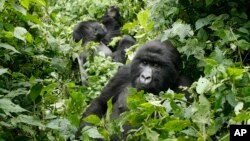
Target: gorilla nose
[{"x": 145, "y": 78}]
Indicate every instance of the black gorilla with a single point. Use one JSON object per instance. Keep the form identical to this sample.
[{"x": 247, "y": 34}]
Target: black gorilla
[
  {"x": 91, "y": 31},
  {"x": 154, "y": 68},
  {"x": 103, "y": 33},
  {"x": 111, "y": 21}
]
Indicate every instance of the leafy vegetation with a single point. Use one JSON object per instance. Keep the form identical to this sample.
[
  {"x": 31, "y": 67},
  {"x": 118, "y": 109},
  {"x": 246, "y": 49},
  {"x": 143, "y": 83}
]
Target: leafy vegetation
[{"x": 41, "y": 97}]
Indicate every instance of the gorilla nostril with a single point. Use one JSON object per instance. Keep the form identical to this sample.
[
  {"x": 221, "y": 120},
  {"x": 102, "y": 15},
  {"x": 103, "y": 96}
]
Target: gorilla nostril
[{"x": 145, "y": 79}]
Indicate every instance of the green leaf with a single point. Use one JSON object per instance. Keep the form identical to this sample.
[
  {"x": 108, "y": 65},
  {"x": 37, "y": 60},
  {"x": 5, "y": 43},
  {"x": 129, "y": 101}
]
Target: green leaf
[
  {"x": 109, "y": 110},
  {"x": 40, "y": 2},
  {"x": 243, "y": 44},
  {"x": 242, "y": 116},
  {"x": 30, "y": 120},
  {"x": 20, "y": 33},
  {"x": 25, "y": 3},
  {"x": 2, "y": 2},
  {"x": 235, "y": 73},
  {"x": 93, "y": 119},
  {"x": 177, "y": 125},
  {"x": 231, "y": 99},
  {"x": 202, "y": 35},
  {"x": 143, "y": 17},
  {"x": 20, "y": 9},
  {"x": 209, "y": 2},
  {"x": 151, "y": 134},
  {"x": 201, "y": 23},
  {"x": 35, "y": 91},
  {"x": 178, "y": 29},
  {"x": 7, "y": 46},
  {"x": 7, "y": 106},
  {"x": 3, "y": 71},
  {"x": 92, "y": 132},
  {"x": 203, "y": 85}
]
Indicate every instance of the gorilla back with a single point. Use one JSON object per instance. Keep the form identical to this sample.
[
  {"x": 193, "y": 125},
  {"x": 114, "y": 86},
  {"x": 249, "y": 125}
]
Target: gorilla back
[{"x": 154, "y": 68}]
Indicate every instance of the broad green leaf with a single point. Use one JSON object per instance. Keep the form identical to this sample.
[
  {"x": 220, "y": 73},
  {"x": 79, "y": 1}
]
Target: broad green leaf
[
  {"x": 202, "y": 35},
  {"x": 35, "y": 91},
  {"x": 242, "y": 116},
  {"x": 30, "y": 120},
  {"x": 7, "y": 46},
  {"x": 177, "y": 125},
  {"x": 2, "y": 2},
  {"x": 209, "y": 2},
  {"x": 25, "y": 3},
  {"x": 92, "y": 132},
  {"x": 243, "y": 44},
  {"x": 201, "y": 23},
  {"x": 203, "y": 85},
  {"x": 20, "y": 33},
  {"x": 93, "y": 119},
  {"x": 20, "y": 9},
  {"x": 178, "y": 29},
  {"x": 40, "y": 2},
  {"x": 238, "y": 107},
  {"x": 58, "y": 124},
  {"x": 3, "y": 71},
  {"x": 231, "y": 99},
  {"x": 235, "y": 73},
  {"x": 7, "y": 106},
  {"x": 151, "y": 134},
  {"x": 29, "y": 37},
  {"x": 143, "y": 17}
]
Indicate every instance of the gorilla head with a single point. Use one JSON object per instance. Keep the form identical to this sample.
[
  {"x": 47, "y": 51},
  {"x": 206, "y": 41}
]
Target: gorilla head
[
  {"x": 155, "y": 67},
  {"x": 89, "y": 31}
]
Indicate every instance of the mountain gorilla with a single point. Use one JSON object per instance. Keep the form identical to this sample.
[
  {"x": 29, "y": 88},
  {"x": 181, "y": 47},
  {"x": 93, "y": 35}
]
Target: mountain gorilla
[
  {"x": 103, "y": 33},
  {"x": 154, "y": 68},
  {"x": 111, "y": 21},
  {"x": 91, "y": 31}
]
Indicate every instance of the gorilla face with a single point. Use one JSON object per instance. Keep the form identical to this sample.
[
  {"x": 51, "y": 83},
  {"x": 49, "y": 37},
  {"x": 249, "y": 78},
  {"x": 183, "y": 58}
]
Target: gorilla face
[
  {"x": 155, "y": 67},
  {"x": 89, "y": 31}
]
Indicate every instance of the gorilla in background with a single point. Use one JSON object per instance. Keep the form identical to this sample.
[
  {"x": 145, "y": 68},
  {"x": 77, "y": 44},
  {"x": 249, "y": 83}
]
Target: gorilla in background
[
  {"x": 111, "y": 21},
  {"x": 91, "y": 31},
  {"x": 154, "y": 68},
  {"x": 103, "y": 33}
]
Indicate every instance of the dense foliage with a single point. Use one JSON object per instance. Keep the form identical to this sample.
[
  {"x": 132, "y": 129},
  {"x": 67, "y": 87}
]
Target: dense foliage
[{"x": 41, "y": 97}]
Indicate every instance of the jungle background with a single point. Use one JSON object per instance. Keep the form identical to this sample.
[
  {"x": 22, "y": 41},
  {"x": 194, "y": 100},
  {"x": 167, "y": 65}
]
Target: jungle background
[{"x": 41, "y": 97}]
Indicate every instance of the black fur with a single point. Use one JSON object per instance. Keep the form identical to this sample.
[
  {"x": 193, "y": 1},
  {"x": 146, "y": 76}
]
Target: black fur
[
  {"x": 111, "y": 21},
  {"x": 120, "y": 55},
  {"x": 154, "y": 68}
]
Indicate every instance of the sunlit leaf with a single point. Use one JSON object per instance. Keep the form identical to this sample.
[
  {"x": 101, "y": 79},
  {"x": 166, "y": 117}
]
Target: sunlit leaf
[
  {"x": 93, "y": 119},
  {"x": 8, "y": 106},
  {"x": 177, "y": 125},
  {"x": 3, "y": 71},
  {"x": 2, "y": 2},
  {"x": 20, "y": 33},
  {"x": 7, "y": 46},
  {"x": 92, "y": 132},
  {"x": 203, "y": 85},
  {"x": 25, "y": 3},
  {"x": 30, "y": 120},
  {"x": 201, "y": 23}
]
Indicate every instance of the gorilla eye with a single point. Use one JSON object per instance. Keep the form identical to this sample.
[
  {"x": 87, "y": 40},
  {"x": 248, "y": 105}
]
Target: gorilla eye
[
  {"x": 156, "y": 65},
  {"x": 144, "y": 62}
]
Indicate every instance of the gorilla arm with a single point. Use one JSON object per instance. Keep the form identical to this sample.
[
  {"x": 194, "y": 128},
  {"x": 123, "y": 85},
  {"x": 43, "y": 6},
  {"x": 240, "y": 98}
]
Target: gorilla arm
[{"x": 114, "y": 88}]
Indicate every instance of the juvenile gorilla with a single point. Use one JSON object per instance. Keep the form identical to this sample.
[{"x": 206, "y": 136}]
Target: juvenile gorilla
[
  {"x": 103, "y": 33},
  {"x": 91, "y": 31},
  {"x": 154, "y": 68}
]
